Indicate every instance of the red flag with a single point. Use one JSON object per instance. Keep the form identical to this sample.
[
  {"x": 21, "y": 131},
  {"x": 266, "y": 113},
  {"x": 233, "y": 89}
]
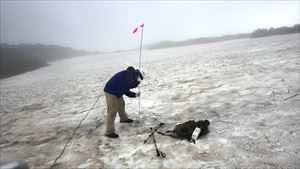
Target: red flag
[
  {"x": 135, "y": 30},
  {"x": 142, "y": 25}
]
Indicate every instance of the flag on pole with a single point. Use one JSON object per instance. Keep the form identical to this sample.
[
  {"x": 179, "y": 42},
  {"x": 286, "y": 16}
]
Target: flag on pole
[{"x": 135, "y": 30}]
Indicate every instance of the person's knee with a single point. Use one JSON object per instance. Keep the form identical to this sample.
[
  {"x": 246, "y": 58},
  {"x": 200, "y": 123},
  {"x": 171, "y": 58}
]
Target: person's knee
[{"x": 121, "y": 103}]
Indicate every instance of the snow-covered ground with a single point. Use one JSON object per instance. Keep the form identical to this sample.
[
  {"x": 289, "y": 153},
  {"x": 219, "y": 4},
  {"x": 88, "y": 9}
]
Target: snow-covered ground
[{"x": 247, "y": 88}]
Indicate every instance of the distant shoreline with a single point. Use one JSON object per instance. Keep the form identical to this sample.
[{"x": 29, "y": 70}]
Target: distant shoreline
[
  {"x": 18, "y": 59},
  {"x": 255, "y": 34}
]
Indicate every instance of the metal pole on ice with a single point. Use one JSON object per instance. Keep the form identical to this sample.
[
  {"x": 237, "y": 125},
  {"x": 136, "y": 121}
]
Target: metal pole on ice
[{"x": 140, "y": 59}]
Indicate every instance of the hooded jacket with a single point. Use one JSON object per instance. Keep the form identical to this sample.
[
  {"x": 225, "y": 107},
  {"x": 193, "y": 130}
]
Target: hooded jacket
[{"x": 122, "y": 82}]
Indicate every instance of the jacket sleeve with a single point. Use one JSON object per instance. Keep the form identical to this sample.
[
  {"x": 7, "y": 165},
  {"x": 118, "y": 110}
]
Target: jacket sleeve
[
  {"x": 130, "y": 94},
  {"x": 135, "y": 84}
]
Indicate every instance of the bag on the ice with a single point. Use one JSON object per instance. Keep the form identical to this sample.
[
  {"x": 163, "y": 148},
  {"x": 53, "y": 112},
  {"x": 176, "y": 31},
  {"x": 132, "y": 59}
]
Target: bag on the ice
[{"x": 187, "y": 130}]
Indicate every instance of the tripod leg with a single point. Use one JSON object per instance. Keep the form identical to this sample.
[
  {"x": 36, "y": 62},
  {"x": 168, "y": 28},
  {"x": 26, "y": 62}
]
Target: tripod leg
[{"x": 155, "y": 144}]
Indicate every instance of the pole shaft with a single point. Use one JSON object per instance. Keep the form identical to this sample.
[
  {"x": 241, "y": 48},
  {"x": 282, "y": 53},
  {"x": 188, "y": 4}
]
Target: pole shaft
[
  {"x": 141, "y": 48},
  {"x": 140, "y": 58}
]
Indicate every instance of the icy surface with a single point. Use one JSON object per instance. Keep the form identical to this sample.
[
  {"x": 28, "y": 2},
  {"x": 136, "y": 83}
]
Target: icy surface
[{"x": 247, "y": 88}]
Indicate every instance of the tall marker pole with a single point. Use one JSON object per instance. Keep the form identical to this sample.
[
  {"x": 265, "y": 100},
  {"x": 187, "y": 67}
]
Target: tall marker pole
[
  {"x": 141, "y": 47},
  {"x": 140, "y": 58}
]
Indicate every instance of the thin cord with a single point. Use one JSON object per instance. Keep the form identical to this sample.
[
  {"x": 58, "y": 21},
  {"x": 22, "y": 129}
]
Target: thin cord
[
  {"x": 139, "y": 103},
  {"x": 73, "y": 134}
]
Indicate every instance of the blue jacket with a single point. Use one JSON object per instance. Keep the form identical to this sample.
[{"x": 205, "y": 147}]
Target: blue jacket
[{"x": 121, "y": 83}]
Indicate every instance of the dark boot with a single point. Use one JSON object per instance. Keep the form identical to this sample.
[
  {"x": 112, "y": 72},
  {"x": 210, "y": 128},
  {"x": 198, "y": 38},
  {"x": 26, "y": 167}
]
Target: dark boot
[
  {"x": 126, "y": 121},
  {"x": 112, "y": 135}
]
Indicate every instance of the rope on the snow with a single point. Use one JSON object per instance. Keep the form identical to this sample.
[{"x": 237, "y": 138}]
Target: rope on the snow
[
  {"x": 139, "y": 102},
  {"x": 291, "y": 96},
  {"x": 63, "y": 150}
]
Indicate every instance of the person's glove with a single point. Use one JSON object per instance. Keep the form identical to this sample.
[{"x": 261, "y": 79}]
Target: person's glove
[{"x": 138, "y": 94}]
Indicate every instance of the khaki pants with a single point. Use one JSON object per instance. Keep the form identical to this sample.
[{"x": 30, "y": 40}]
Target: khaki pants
[{"x": 114, "y": 105}]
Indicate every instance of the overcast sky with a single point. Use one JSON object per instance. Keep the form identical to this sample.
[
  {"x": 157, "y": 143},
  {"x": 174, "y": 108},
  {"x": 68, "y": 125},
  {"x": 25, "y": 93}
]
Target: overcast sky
[{"x": 106, "y": 26}]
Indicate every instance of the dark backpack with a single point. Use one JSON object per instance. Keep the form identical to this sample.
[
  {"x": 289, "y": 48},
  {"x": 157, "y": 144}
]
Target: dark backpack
[{"x": 185, "y": 130}]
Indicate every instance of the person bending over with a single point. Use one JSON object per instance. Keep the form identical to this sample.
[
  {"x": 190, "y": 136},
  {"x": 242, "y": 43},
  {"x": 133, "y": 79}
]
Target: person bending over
[{"x": 115, "y": 88}]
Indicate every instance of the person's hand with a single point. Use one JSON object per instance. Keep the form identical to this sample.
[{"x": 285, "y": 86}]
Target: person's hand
[{"x": 138, "y": 94}]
